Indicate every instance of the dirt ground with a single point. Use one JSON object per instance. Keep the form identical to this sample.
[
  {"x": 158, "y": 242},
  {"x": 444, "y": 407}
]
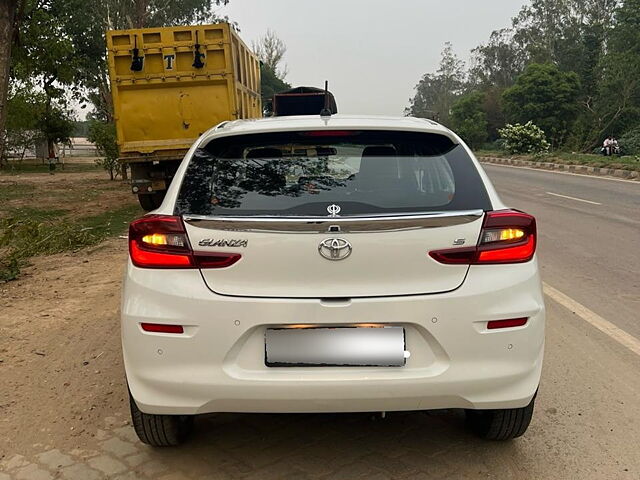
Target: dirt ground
[
  {"x": 78, "y": 193},
  {"x": 60, "y": 359}
]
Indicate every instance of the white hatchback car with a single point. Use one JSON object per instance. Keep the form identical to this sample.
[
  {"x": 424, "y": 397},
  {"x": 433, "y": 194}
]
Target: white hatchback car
[{"x": 343, "y": 264}]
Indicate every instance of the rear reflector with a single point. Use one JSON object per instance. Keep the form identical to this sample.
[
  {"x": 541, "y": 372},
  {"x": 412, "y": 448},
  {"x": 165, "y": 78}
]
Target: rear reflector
[
  {"x": 513, "y": 322},
  {"x": 507, "y": 236},
  {"x": 161, "y": 328},
  {"x": 160, "y": 241}
]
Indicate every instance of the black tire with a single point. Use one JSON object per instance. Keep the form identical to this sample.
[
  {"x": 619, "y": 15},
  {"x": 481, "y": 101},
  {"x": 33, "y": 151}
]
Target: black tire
[
  {"x": 150, "y": 201},
  {"x": 160, "y": 430},
  {"x": 500, "y": 424}
]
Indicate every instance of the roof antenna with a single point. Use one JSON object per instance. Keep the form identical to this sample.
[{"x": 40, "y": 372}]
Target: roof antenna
[{"x": 326, "y": 112}]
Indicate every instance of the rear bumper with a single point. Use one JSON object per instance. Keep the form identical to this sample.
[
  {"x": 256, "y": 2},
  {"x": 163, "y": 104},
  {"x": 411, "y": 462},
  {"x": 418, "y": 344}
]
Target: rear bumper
[{"x": 217, "y": 365}]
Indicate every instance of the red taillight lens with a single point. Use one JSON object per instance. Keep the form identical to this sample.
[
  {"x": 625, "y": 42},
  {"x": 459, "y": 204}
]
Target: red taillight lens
[
  {"x": 508, "y": 236},
  {"x": 217, "y": 260},
  {"x": 160, "y": 241},
  {"x": 162, "y": 328},
  {"x": 147, "y": 258},
  {"x": 512, "y": 322},
  {"x": 509, "y": 254}
]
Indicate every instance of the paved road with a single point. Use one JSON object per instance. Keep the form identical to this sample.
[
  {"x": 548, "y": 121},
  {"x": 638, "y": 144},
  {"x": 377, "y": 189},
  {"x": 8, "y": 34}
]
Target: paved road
[{"x": 586, "y": 424}]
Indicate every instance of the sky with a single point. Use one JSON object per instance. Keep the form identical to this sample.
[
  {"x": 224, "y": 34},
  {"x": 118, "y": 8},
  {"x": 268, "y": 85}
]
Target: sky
[{"x": 372, "y": 52}]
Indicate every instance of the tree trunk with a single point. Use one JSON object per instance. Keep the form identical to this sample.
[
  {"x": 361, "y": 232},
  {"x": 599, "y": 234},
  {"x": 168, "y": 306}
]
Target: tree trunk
[
  {"x": 141, "y": 14},
  {"x": 7, "y": 25}
]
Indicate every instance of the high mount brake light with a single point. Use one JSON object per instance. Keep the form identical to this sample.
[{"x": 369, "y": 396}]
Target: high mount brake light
[
  {"x": 160, "y": 241},
  {"x": 508, "y": 236},
  {"x": 330, "y": 133}
]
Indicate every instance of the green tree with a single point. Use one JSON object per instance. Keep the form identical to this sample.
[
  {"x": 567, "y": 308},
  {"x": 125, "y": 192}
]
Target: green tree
[
  {"x": 574, "y": 35},
  {"x": 270, "y": 84},
  {"x": 469, "y": 120},
  {"x": 548, "y": 97},
  {"x": 498, "y": 62},
  {"x": 493, "y": 109},
  {"x": 24, "y": 109},
  {"x": 103, "y": 135},
  {"x": 435, "y": 93},
  {"x": 47, "y": 61},
  {"x": 619, "y": 94},
  {"x": 271, "y": 50}
]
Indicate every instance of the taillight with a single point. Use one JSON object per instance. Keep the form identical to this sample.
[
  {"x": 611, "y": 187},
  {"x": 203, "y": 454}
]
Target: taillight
[
  {"x": 508, "y": 236},
  {"x": 160, "y": 241}
]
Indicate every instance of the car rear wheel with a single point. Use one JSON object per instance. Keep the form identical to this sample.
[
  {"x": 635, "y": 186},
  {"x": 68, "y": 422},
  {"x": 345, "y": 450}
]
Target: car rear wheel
[
  {"x": 503, "y": 424},
  {"x": 160, "y": 430}
]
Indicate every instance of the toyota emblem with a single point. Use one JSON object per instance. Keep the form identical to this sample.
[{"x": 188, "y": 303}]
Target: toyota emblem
[{"x": 335, "y": 248}]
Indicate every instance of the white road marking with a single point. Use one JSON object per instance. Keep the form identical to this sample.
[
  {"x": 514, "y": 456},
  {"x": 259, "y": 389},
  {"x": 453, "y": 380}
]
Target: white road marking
[
  {"x": 597, "y": 177},
  {"x": 605, "y": 326},
  {"x": 573, "y": 198}
]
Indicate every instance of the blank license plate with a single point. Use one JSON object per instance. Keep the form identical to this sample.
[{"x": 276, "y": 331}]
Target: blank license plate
[{"x": 348, "y": 346}]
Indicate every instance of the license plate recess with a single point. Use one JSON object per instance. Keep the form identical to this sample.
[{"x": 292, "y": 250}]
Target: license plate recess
[{"x": 336, "y": 347}]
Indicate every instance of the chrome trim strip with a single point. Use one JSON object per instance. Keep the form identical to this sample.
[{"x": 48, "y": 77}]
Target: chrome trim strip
[{"x": 370, "y": 223}]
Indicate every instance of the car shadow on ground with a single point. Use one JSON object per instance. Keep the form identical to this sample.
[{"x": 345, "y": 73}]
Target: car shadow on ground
[{"x": 362, "y": 445}]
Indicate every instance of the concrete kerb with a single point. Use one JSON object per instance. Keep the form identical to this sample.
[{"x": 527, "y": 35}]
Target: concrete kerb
[{"x": 582, "y": 169}]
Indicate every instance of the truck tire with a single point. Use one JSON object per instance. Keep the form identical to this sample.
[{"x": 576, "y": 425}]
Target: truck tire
[
  {"x": 160, "y": 430},
  {"x": 500, "y": 424},
  {"x": 151, "y": 201}
]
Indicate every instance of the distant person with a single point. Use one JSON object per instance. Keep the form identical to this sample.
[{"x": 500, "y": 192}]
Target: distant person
[
  {"x": 606, "y": 146},
  {"x": 614, "y": 147}
]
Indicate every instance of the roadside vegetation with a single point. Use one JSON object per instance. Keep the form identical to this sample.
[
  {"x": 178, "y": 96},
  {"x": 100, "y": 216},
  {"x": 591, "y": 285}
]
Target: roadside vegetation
[
  {"x": 570, "y": 67},
  {"x": 568, "y": 158},
  {"x": 42, "y": 215},
  {"x": 46, "y": 232}
]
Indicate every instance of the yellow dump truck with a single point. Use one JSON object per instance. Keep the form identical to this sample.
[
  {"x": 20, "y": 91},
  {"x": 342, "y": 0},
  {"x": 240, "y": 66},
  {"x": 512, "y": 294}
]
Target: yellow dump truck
[{"x": 169, "y": 85}]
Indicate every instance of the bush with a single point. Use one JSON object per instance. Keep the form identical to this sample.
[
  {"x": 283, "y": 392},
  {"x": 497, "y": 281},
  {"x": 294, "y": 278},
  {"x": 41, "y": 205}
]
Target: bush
[
  {"x": 629, "y": 142},
  {"x": 103, "y": 135},
  {"x": 527, "y": 138}
]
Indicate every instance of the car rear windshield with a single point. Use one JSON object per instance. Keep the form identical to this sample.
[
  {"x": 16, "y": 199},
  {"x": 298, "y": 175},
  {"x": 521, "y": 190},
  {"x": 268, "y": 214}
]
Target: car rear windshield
[{"x": 303, "y": 173}]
